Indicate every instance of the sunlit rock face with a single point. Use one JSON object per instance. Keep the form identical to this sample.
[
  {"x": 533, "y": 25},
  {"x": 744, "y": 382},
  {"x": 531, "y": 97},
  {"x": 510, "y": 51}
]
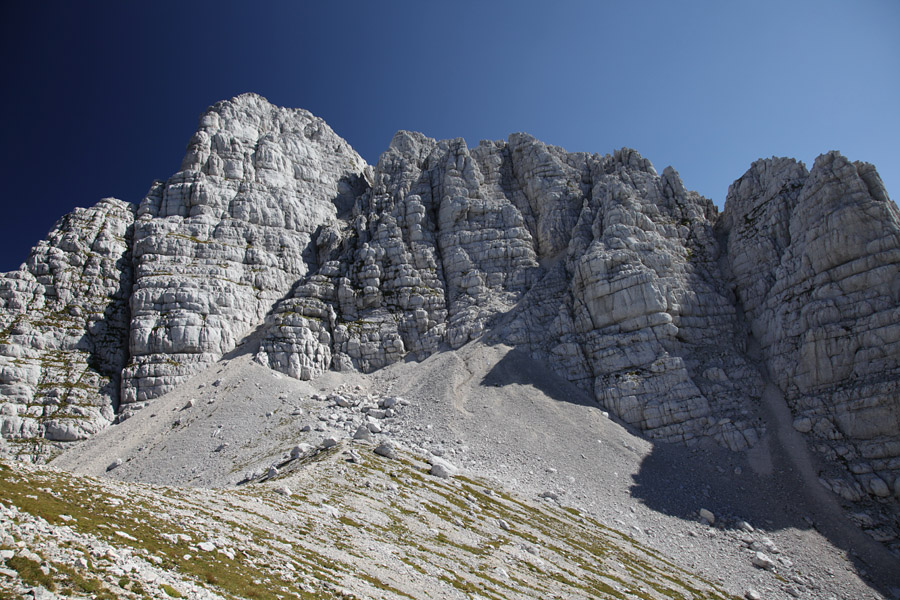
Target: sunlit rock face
[
  {"x": 597, "y": 264},
  {"x": 223, "y": 239},
  {"x": 64, "y": 329},
  {"x": 617, "y": 276}
]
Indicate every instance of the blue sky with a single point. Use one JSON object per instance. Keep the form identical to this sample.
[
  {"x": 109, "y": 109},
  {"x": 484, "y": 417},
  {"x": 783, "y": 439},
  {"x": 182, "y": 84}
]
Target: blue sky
[{"x": 101, "y": 98}]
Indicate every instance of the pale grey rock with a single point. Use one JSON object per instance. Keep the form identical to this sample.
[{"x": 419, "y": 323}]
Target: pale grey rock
[
  {"x": 708, "y": 516},
  {"x": 299, "y": 450},
  {"x": 362, "y": 433},
  {"x": 616, "y": 276},
  {"x": 441, "y": 467},
  {"x": 219, "y": 242},
  {"x": 597, "y": 265},
  {"x": 386, "y": 449},
  {"x": 64, "y": 327},
  {"x": 439, "y": 470},
  {"x": 815, "y": 260},
  {"x": 763, "y": 561}
]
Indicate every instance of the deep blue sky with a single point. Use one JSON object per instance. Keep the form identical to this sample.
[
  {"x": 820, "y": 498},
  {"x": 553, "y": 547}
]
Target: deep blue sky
[{"x": 101, "y": 98}]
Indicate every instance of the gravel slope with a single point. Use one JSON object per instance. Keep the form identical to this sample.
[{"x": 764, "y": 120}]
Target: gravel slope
[{"x": 494, "y": 412}]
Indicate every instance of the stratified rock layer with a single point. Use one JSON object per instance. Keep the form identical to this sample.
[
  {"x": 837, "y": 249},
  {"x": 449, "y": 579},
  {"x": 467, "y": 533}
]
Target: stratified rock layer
[
  {"x": 63, "y": 329},
  {"x": 618, "y": 277},
  {"x": 223, "y": 239},
  {"x": 816, "y": 264},
  {"x": 600, "y": 266}
]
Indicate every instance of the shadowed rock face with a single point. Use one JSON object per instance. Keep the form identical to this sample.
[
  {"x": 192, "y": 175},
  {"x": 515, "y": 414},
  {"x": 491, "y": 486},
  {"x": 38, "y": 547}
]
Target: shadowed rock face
[
  {"x": 816, "y": 264},
  {"x": 619, "y": 278}
]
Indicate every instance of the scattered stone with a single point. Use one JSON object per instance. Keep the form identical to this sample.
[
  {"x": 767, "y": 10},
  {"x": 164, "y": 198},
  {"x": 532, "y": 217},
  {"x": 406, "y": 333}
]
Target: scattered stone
[
  {"x": 803, "y": 424},
  {"x": 707, "y": 516},
  {"x": 762, "y": 561},
  {"x": 300, "y": 450},
  {"x": 363, "y": 434},
  {"x": 329, "y": 442},
  {"x": 206, "y": 546},
  {"x": 283, "y": 490},
  {"x": 441, "y": 467},
  {"x": 114, "y": 464},
  {"x": 439, "y": 470},
  {"x": 769, "y": 545},
  {"x": 386, "y": 449}
]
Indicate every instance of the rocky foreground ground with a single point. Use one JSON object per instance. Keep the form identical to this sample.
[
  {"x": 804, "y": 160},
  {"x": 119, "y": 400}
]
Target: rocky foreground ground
[{"x": 504, "y": 426}]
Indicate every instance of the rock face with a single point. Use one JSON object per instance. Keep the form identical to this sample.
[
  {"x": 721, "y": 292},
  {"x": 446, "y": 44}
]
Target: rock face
[
  {"x": 816, "y": 263},
  {"x": 624, "y": 281},
  {"x": 597, "y": 264},
  {"x": 223, "y": 239},
  {"x": 64, "y": 329}
]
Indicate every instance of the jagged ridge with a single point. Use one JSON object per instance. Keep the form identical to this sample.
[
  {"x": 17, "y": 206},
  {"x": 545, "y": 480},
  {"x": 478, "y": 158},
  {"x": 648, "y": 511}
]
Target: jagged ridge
[{"x": 624, "y": 281}]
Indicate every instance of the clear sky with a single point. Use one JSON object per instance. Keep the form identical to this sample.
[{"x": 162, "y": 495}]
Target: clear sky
[{"x": 101, "y": 98}]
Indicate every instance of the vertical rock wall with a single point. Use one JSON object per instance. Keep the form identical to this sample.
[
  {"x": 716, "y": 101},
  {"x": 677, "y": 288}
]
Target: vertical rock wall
[
  {"x": 597, "y": 264},
  {"x": 816, "y": 264},
  {"x": 226, "y": 237},
  {"x": 618, "y": 277},
  {"x": 63, "y": 329}
]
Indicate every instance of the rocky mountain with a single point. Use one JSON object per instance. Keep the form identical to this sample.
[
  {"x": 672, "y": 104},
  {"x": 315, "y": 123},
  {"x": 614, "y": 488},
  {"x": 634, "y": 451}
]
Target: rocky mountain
[{"x": 683, "y": 323}]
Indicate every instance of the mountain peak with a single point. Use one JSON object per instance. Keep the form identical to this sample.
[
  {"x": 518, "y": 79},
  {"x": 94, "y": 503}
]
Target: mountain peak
[{"x": 675, "y": 319}]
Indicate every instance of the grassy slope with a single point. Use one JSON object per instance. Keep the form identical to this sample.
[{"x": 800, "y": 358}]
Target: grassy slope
[{"x": 373, "y": 528}]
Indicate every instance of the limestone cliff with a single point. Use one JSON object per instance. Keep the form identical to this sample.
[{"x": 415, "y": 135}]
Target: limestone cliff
[
  {"x": 621, "y": 279},
  {"x": 219, "y": 242},
  {"x": 600, "y": 266},
  {"x": 64, "y": 320},
  {"x": 815, "y": 258}
]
